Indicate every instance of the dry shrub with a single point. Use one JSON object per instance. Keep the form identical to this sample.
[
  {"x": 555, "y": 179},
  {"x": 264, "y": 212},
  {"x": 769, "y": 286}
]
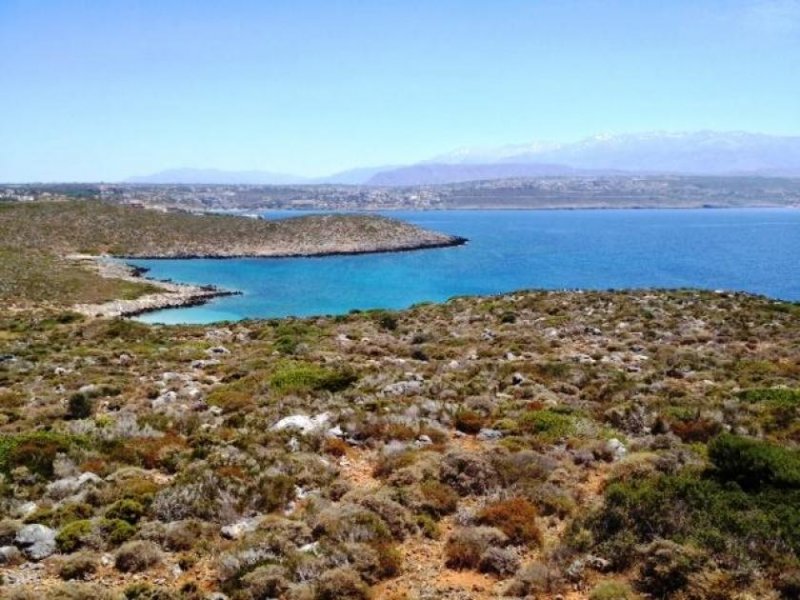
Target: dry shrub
[
  {"x": 469, "y": 421},
  {"x": 515, "y": 517},
  {"x": 438, "y": 499},
  {"x": 700, "y": 430},
  {"x": 501, "y": 561},
  {"x": 390, "y": 462},
  {"x": 137, "y": 556},
  {"x": 341, "y": 584},
  {"x": 77, "y": 566},
  {"x": 533, "y": 579},
  {"x": 335, "y": 447},
  {"x": 466, "y": 546},
  {"x": 468, "y": 473},
  {"x": 266, "y": 581}
]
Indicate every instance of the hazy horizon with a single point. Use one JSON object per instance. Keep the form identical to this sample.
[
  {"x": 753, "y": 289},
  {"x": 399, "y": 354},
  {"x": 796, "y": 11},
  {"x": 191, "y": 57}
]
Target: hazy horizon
[{"x": 109, "y": 91}]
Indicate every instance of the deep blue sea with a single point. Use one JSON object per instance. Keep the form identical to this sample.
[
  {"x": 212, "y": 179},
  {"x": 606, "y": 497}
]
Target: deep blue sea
[{"x": 754, "y": 250}]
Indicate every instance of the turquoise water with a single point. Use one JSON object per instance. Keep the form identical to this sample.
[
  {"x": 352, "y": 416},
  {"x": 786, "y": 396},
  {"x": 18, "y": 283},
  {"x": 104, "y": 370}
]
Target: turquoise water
[{"x": 754, "y": 250}]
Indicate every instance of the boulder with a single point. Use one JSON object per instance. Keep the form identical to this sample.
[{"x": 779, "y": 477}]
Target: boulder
[
  {"x": 616, "y": 449},
  {"x": 238, "y": 530},
  {"x": 37, "y": 541},
  {"x": 302, "y": 423},
  {"x": 61, "y": 488},
  {"x": 9, "y": 555},
  {"x": 403, "y": 388},
  {"x": 486, "y": 435}
]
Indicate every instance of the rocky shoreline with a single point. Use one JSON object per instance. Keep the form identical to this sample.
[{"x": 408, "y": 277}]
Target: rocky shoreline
[
  {"x": 441, "y": 241},
  {"x": 174, "y": 295}
]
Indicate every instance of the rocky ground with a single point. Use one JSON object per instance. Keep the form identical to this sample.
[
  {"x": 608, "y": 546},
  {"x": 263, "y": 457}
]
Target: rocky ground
[{"x": 547, "y": 445}]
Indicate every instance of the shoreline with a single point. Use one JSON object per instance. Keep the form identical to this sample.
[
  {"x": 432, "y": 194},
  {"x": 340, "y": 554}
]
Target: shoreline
[
  {"x": 453, "y": 242},
  {"x": 172, "y": 295},
  {"x": 184, "y": 295}
]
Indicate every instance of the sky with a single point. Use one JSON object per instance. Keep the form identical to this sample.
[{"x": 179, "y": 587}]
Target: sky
[{"x": 103, "y": 90}]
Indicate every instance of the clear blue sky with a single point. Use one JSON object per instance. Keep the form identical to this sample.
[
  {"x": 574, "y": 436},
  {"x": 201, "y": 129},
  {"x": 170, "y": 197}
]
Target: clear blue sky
[{"x": 105, "y": 89}]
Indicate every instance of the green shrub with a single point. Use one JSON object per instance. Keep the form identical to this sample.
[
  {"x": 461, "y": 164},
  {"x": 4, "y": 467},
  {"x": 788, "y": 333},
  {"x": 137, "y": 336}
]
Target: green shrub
[
  {"x": 295, "y": 378},
  {"x": 753, "y": 463},
  {"x": 690, "y": 509},
  {"x": 612, "y": 590},
  {"x": 547, "y": 424},
  {"x": 35, "y": 451},
  {"x": 116, "y": 531},
  {"x": 771, "y": 395},
  {"x": 126, "y": 510},
  {"x": 80, "y": 406},
  {"x": 73, "y": 535},
  {"x": 387, "y": 321}
]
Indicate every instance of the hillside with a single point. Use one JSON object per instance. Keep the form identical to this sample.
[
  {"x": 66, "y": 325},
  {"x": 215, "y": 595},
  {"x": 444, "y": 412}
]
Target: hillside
[
  {"x": 39, "y": 242},
  {"x": 535, "y": 445},
  {"x": 101, "y": 228}
]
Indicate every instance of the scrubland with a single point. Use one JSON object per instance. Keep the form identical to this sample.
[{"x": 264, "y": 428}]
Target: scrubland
[{"x": 603, "y": 445}]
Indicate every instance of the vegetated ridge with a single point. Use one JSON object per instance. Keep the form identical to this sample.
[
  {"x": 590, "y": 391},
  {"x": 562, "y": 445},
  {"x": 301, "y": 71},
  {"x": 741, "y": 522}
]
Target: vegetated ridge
[
  {"x": 46, "y": 249},
  {"x": 594, "y": 446},
  {"x": 101, "y": 228}
]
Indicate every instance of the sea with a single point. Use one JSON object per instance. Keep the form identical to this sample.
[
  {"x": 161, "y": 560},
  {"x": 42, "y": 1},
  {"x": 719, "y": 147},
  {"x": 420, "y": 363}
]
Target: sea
[{"x": 749, "y": 250}]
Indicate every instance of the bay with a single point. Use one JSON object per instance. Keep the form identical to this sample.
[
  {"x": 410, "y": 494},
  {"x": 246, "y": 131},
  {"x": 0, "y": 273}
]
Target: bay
[{"x": 752, "y": 250}]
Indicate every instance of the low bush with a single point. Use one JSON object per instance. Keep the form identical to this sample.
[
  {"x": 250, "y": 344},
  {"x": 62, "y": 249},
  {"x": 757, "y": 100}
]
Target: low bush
[
  {"x": 266, "y": 581},
  {"x": 500, "y": 561},
  {"x": 274, "y": 492},
  {"x": 469, "y": 421},
  {"x": 438, "y": 499},
  {"x": 667, "y": 567},
  {"x": 612, "y": 590},
  {"x": 534, "y": 579},
  {"x": 294, "y": 378},
  {"x": 78, "y": 566},
  {"x": 515, "y": 517},
  {"x": 126, "y": 510},
  {"x": 467, "y": 545},
  {"x": 73, "y": 535},
  {"x": 80, "y": 406},
  {"x": 547, "y": 425},
  {"x": 342, "y": 583},
  {"x": 35, "y": 451},
  {"x": 753, "y": 463},
  {"x": 687, "y": 508},
  {"x": 137, "y": 556},
  {"x": 468, "y": 473}
]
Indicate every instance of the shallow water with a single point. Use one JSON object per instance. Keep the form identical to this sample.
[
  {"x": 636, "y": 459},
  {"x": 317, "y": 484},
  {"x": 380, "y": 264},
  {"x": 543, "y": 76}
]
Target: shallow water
[{"x": 754, "y": 250}]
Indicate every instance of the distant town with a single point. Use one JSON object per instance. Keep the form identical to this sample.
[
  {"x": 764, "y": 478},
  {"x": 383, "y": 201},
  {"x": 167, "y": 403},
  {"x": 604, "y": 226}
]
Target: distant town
[{"x": 557, "y": 192}]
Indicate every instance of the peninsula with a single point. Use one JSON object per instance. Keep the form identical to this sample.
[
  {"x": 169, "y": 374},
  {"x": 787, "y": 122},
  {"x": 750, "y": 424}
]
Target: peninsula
[{"x": 51, "y": 250}]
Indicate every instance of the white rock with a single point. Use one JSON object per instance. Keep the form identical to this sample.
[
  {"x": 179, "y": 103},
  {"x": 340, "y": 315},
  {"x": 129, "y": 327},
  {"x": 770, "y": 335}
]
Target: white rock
[
  {"x": 616, "y": 448},
  {"x": 37, "y": 541},
  {"x": 403, "y": 388},
  {"x": 236, "y": 531},
  {"x": 303, "y": 423}
]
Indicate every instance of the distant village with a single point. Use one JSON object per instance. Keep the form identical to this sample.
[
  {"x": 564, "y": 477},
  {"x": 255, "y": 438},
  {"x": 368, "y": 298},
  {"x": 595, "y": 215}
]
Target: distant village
[{"x": 661, "y": 191}]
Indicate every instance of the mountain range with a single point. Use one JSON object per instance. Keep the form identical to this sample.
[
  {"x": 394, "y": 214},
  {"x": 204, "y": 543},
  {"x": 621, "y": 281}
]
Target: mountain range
[{"x": 687, "y": 153}]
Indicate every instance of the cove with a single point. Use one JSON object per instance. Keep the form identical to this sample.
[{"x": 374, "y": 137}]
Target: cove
[{"x": 752, "y": 250}]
